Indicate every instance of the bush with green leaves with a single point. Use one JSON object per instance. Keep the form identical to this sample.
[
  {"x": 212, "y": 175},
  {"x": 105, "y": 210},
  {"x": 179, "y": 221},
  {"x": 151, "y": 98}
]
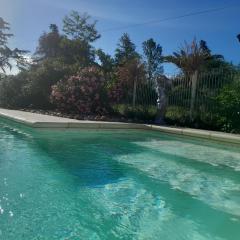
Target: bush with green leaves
[
  {"x": 40, "y": 79},
  {"x": 180, "y": 116},
  {"x": 139, "y": 113},
  {"x": 228, "y": 102},
  {"x": 83, "y": 93},
  {"x": 11, "y": 91},
  {"x": 32, "y": 88},
  {"x": 177, "y": 115}
]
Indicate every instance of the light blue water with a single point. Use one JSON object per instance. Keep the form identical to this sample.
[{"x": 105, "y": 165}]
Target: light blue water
[{"x": 116, "y": 185}]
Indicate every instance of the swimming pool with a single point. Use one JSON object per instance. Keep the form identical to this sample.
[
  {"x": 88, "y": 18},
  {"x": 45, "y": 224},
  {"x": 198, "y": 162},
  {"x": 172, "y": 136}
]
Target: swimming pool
[{"x": 130, "y": 184}]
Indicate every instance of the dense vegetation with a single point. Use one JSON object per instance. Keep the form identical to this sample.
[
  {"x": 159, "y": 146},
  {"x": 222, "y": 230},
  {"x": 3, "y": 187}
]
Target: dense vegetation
[{"x": 69, "y": 74}]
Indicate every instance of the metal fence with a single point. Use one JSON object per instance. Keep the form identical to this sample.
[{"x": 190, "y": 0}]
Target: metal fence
[
  {"x": 197, "y": 93},
  {"x": 192, "y": 94}
]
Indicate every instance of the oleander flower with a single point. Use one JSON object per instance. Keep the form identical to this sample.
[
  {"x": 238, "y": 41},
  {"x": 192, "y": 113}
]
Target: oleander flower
[{"x": 84, "y": 92}]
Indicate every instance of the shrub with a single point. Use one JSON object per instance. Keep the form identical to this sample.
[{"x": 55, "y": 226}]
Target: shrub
[
  {"x": 180, "y": 116},
  {"x": 32, "y": 87},
  {"x": 11, "y": 91},
  {"x": 85, "y": 92},
  {"x": 121, "y": 88},
  {"x": 177, "y": 115},
  {"x": 228, "y": 102},
  {"x": 40, "y": 79},
  {"x": 138, "y": 113}
]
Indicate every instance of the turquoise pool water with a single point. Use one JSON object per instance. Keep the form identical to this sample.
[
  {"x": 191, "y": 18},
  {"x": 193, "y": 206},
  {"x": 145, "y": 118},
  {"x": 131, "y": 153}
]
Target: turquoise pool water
[{"x": 116, "y": 185}]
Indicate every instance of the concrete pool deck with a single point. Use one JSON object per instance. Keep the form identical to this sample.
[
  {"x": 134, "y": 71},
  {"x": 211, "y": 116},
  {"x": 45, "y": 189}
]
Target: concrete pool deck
[{"x": 36, "y": 120}]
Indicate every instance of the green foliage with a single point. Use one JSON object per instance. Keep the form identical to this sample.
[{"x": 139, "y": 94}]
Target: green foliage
[
  {"x": 49, "y": 44},
  {"x": 68, "y": 73},
  {"x": 54, "y": 46},
  {"x": 192, "y": 57},
  {"x": 128, "y": 73},
  {"x": 177, "y": 115},
  {"x": 3, "y": 35},
  {"x": 56, "y": 56},
  {"x": 77, "y": 26},
  {"x": 106, "y": 61},
  {"x": 137, "y": 113},
  {"x": 126, "y": 50},
  {"x": 180, "y": 116},
  {"x": 31, "y": 88},
  {"x": 153, "y": 57},
  {"x": 6, "y": 53},
  {"x": 229, "y": 105},
  {"x": 39, "y": 81},
  {"x": 77, "y": 52},
  {"x": 238, "y": 37},
  {"x": 11, "y": 91}
]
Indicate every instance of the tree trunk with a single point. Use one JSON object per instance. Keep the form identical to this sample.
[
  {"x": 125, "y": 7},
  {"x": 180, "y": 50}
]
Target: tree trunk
[
  {"x": 134, "y": 92},
  {"x": 194, "y": 79}
]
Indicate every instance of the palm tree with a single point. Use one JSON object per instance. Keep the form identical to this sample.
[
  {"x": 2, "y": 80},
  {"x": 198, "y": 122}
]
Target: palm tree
[{"x": 191, "y": 58}]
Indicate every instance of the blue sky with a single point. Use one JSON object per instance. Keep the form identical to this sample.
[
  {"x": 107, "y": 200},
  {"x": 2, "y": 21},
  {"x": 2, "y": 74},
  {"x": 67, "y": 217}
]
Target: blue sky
[{"x": 30, "y": 18}]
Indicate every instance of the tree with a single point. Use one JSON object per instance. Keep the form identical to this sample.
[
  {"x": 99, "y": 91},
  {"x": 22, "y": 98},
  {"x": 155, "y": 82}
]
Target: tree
[
  {"x": 214, "y": 61},
  {"x": 153, "y": 55},
  {"x": 8, "y": 55},
  {"x": 190, "y": 58},
  {"x": 77, "y": 52},
  {"x": 126, "y": 50},
  {"x": 49, "y": 44},
  {"x": 228, "y": 102},
  {"x": 238, "y": 37},
  {"x": 77, "y": 26},
  {"x": 56, "y": 47},
  {"x": 11, "y": 90},
  {"x": 106, "y": 61},
  {"x": 193, "y": 57},
  {"x": 39, "y": 80},
  {"x": 128, "y": 77}
]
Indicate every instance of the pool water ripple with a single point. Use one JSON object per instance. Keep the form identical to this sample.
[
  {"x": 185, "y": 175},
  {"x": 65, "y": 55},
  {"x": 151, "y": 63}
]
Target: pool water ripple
[{"x": 116, "y": 185}]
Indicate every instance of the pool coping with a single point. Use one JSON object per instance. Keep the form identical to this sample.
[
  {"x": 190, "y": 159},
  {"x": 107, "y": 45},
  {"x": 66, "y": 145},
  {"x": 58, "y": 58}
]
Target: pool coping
[{"x": 36, "y": 120}]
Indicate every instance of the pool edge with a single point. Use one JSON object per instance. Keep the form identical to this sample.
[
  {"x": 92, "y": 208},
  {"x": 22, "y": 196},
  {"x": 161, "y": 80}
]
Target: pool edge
[{"x": 44, "y": 121}]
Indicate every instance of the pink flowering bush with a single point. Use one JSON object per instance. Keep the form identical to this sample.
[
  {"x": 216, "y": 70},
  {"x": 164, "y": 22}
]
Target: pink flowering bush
[
  {"x": 116, "y": 92},
  {"x": 84, "y": 92}
]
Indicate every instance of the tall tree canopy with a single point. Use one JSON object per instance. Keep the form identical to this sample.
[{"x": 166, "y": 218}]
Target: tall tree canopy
[
  {"x": 78, "y": 52},
  {"x": 106, "y": 61},
  {"x": 49, "y": 44},
  {"x": 203, "y": 45},
  {"x": 77, "y": 26},
  {"x": 153, "y": 58},
  {"x": 126, "y": 50},
  {"x": 8, "y": 55},
  {"x": 55, "y": 46},
  {"x": 192, "y": 57}
]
